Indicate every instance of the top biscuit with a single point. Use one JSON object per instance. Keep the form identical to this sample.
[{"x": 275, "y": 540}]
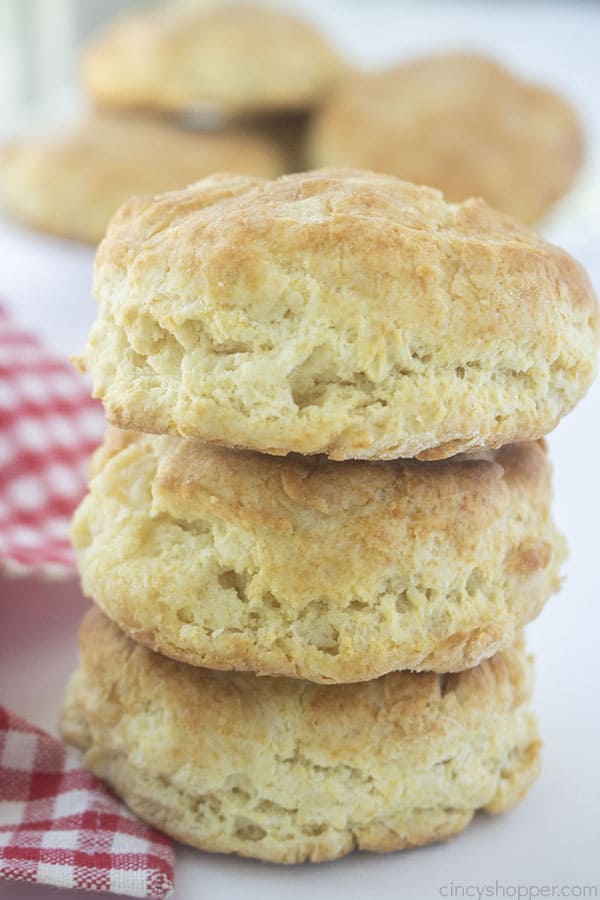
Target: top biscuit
[
  {"x": 459, "y": 123},
  {"x": 336, "y": 312},
  {"x": 232, "y": 59}
]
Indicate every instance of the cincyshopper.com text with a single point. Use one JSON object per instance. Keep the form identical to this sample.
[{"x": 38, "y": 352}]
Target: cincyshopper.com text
[{"x": 454, "y": 890}]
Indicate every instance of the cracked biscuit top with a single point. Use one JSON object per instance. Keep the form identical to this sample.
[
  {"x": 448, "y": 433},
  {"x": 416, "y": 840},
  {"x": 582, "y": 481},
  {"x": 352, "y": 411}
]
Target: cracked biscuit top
[{"x": 337, "y": 312}]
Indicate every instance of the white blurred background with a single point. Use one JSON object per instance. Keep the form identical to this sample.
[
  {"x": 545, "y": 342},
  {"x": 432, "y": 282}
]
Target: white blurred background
[{"x": 39, "y": 46}]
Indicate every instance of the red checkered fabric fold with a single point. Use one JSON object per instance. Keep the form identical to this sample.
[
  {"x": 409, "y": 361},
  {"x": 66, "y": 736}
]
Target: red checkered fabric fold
[
  {"x": 60, "y": 826},
  {"x": 49, "y": 425}
]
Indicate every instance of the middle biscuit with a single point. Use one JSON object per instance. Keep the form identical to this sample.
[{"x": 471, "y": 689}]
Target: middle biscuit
[{"x": 332, "y": 572}]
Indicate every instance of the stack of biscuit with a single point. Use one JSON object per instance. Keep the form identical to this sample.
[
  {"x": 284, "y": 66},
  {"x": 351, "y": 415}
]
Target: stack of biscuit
[{"x": 323, "y": 516}]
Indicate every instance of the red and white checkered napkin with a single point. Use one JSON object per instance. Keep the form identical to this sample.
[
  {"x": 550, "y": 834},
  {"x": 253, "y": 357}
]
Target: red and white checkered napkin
[
  {"x": 49, "y": 425},
  {"x": 60, "y": 826}
]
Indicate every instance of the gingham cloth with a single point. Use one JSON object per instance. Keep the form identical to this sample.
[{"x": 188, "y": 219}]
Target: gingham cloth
[
  {"x": 49, "y": 425},
  {"x": 60, "y": 826}
]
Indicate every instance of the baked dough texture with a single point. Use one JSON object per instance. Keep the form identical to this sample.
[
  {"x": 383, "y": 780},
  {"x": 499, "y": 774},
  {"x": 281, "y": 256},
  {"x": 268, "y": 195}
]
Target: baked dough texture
[
  {"x": 332, "y": 572},
  {"x": 336, "y": 312},
  {"x": 72, "y": 183},
  {"x": 233, "y": 59},
  {"x": 456, "y": 122},
  {"x": 285, "y": 770}
]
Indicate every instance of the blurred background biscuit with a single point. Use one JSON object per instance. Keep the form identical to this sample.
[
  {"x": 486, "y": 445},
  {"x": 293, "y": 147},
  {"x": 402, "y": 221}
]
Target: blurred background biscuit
[
  {"x": 234, "y": 59},
  {"x": 333, "y": 572},
  {"x": 461, "y": 123},
  {"x": 283, "y": 770},
  {"x": 71, "y": 184},
  {"x": 338, "y": 312}
]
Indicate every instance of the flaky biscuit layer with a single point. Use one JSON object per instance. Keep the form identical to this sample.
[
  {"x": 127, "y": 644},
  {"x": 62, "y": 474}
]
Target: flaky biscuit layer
[
  {"x": 332, "y": 572},
  {"x": 285, "y": 770},
  {"x": 336, "y": 312}
]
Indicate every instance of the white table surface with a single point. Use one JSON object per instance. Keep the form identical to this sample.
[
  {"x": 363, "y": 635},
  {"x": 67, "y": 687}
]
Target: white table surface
[{"x": 552, "y": 838}]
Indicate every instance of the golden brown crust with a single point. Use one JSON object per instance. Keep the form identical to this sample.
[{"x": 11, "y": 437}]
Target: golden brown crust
[
  {"x": 458, "y": 122},
  {"x": 336, "y": 312},
  {"x": 234, "y": 58},
  {"x": 332, "y": 572},
  {"x": 284, "y": 770},
  {"x": 72, "y": 183}
]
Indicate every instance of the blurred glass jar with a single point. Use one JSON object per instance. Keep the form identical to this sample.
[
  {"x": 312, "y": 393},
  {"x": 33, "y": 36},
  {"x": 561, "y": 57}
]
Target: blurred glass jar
[{"x": 40, "y": 42}]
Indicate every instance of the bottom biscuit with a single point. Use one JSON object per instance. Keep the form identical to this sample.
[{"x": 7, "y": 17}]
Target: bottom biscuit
[{"x": 286, "y": 770}]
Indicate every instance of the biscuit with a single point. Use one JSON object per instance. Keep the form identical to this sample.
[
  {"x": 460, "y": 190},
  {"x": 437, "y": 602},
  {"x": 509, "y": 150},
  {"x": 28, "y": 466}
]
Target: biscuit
[
  {"x": 459, "y": 123},
  {"x": 71, "y": 184},
  {"x": 285, "y": 770},
  {"x": 336, "y": 312},
  {"x": 332, "y": 572},
  {"x": 232, "y": 59}
]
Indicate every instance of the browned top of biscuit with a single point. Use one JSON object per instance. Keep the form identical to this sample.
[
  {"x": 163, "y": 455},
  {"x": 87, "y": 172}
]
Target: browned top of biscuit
[
  {"x": 400, "y": 703},
  {"x": 371, "y": 243},
  {"x": 283, "y": 491}
]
